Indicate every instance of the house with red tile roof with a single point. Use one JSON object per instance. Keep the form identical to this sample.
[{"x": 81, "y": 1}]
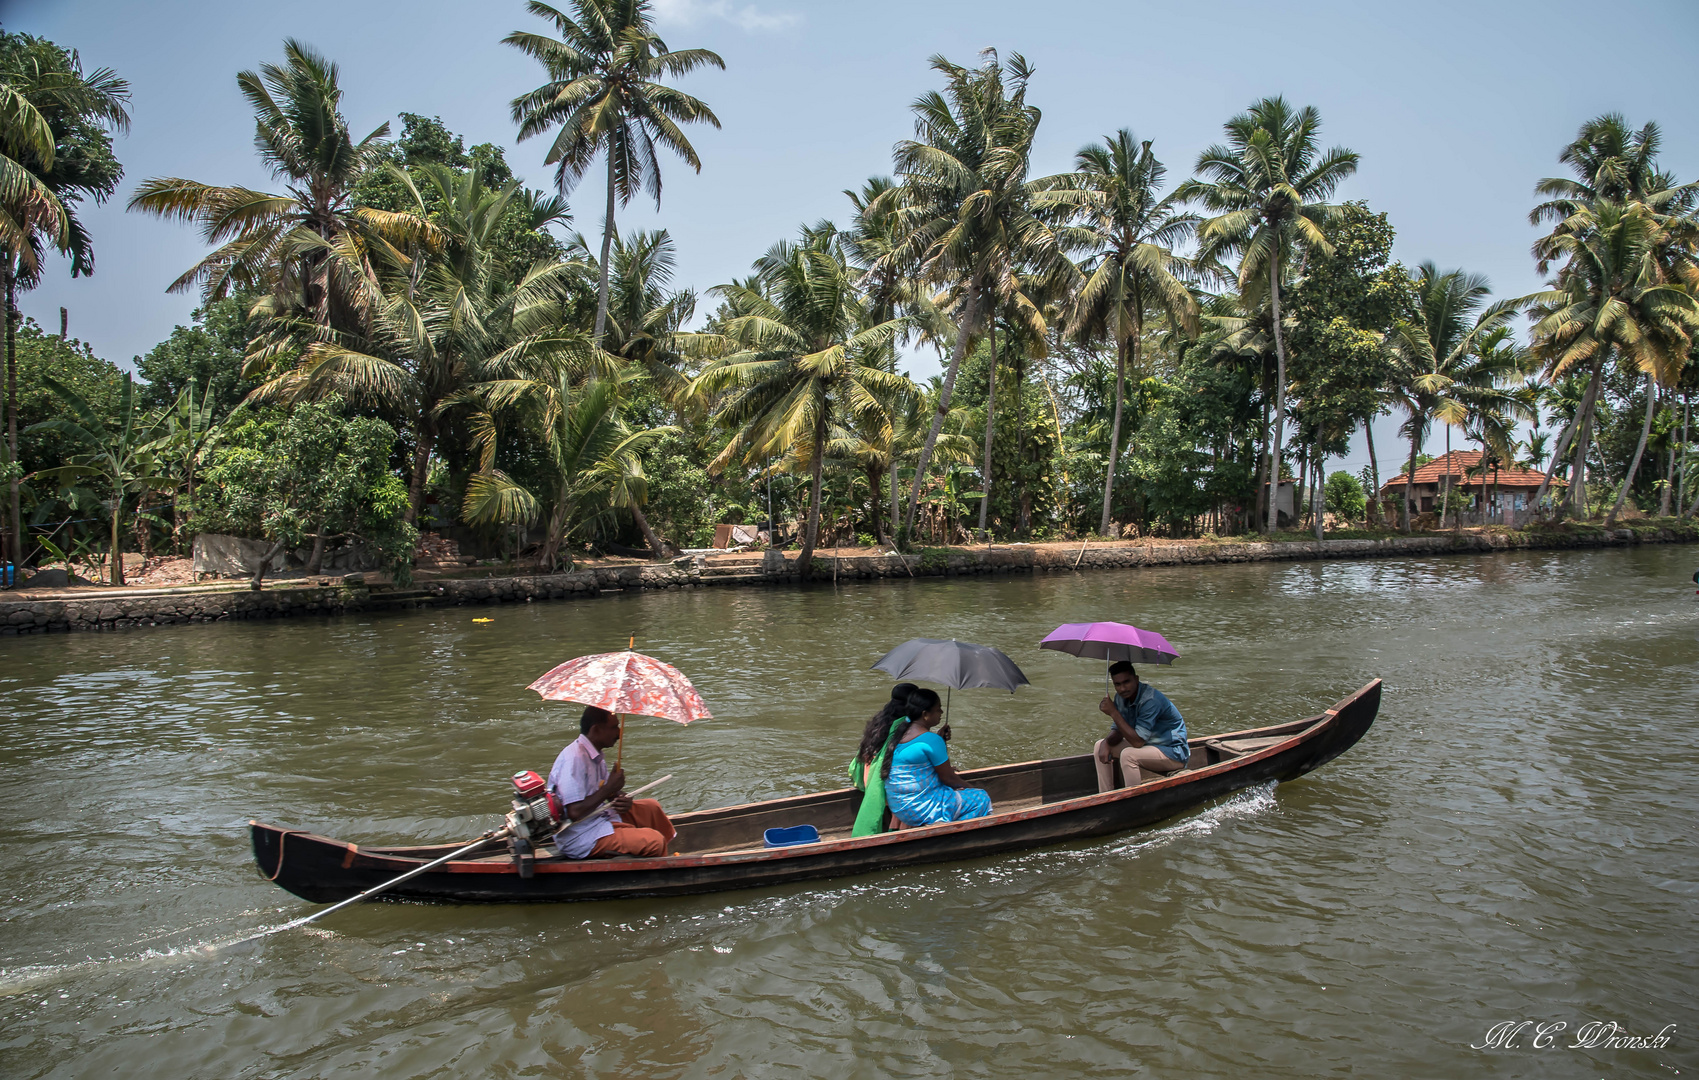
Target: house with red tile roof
[{"x": 1461, "y": 470}]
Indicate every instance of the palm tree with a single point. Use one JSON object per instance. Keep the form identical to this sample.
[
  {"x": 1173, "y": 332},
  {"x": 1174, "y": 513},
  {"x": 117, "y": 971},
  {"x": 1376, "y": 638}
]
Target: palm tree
[
  {"x": 1614, "y": 296},
  {"x": 645, "y": 317},
  {"x": 309, "y": 247},
  {"x": 1438, "y": 361},
  {"x": 1612, "y": 165},
  {"x": 602, "y": 94},
  {"x": 591, "y": 461},
  {"x": 120, "y": 450},
  {"x": 56, "y": 126},
  {"x": 881, "y": 444},
  {"x": 448, "y": 327},
  {"x": 966, "y": 213},
  {"x": 1265, "y": 188},
  {"x": 1129, "y": 232},
  {"x": 800, "y": 356}
]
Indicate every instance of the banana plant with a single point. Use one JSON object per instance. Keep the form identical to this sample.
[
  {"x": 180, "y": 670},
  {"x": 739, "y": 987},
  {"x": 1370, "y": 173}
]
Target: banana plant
[{"x": 123, "y": 453}]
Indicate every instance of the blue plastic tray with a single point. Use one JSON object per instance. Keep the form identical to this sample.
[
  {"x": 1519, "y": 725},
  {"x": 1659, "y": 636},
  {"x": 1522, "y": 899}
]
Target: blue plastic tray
[{"x": 796, "y": 834}]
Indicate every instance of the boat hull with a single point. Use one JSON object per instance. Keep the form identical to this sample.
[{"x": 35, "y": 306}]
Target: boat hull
[{"x": 324, "y": 870}]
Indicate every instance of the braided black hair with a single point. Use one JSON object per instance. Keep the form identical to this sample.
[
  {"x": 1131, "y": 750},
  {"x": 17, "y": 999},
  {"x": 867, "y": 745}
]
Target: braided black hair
[
  {"x": 920, "y": 702},
  {"x": 879, "y": 728}
]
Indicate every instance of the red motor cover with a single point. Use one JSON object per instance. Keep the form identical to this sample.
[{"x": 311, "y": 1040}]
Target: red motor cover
[
  {"x": 556, "y": 810},
  {"x": 528, "y": 784}
]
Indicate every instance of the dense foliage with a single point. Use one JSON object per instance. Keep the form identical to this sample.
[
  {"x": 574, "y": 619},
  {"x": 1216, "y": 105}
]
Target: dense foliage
[{"x": 402, "y": 337}]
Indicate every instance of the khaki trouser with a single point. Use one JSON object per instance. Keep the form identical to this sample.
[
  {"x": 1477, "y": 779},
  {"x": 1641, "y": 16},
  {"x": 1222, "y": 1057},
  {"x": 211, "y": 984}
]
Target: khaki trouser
[
  {"x": 1135, "y": 761},
  {"x": 645, "y": 835}
]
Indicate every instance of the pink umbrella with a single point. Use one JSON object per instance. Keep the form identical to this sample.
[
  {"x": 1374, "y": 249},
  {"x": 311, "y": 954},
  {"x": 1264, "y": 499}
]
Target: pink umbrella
[
  {"x": 625, "y": 683},
  {"x": 1111, "y": 641}
]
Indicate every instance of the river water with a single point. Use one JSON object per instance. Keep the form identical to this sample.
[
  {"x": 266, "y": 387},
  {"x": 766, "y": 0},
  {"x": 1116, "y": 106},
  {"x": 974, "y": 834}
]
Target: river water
[{"x": 1512, "y": 841}]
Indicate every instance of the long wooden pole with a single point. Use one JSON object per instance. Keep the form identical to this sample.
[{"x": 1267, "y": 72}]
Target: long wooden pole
[{"x": 390, "y": 884}]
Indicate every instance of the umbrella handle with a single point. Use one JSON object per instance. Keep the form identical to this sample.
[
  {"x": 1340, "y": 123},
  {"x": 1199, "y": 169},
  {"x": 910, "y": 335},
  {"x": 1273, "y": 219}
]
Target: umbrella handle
[{"x": 619, "y": 758}]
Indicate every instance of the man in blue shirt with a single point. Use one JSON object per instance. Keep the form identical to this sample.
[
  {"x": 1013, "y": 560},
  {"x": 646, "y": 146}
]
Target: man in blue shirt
[{"x": 1148, "y": 735}]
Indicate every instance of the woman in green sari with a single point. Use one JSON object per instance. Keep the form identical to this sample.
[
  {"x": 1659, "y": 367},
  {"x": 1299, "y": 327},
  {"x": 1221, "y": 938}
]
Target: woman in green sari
[{"x": 867, "y": 768}]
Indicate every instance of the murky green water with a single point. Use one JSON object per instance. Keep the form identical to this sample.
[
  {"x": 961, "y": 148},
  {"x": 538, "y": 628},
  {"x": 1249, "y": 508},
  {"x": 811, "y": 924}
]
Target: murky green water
[{"x": 1512, "y": 841}]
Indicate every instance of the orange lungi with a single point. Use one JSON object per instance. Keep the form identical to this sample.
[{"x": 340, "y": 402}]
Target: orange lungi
[{"x": 644, "y": 833}]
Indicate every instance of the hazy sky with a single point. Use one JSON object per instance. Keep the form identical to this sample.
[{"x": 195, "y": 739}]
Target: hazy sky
[{"x": 1456, "y": 108}]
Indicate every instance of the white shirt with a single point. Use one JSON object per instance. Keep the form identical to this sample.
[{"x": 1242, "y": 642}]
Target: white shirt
[{"x": 576, "y": 775}]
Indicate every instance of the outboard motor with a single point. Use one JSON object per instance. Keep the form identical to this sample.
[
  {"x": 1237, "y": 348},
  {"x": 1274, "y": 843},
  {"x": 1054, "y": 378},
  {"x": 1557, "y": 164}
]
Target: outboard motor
[{"x": 536, "y": 816}]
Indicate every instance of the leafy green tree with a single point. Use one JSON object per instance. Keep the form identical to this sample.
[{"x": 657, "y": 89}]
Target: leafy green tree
[
  {"x": 603, "y": 95},
  {"x": 1128, "y": 231},
  {"x": 42, "y": 356},
  {"x": 207, "y": 355},
  {"x": 967, "y": 213},
  {"x": 1344, "y": 308},
  {"x": 310, "y": 472},
  {"x": 1265, "y": 187},
  {"x": 118, "y": 451},
  {"x": 801, "y": 356},
  {"x": 56, "y": 126},
  {"x": 1344, "y": 495}
]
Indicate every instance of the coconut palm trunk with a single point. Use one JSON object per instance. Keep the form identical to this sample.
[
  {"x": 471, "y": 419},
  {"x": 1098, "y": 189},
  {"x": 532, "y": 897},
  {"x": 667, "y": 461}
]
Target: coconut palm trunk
[
  {"x": 656, "y": 550},
  {"x": 1279, "y": 395},
  {"x": 1115, "y": 428},
  {"x": 423, "y": 442},
  {"x": 1445, "y": 480},
  {"x": 1410, "y": 480},
  {"x": 876, "y": 480},
  {"x": 990, "y": 431},
  {"x": 1374, "y": 507},
  {"x": 1562, "y": 447},
  {"x": 1583, "y": 439},
  {"x": 969, "y": 312},
  {"x": 1260, "y": 497},
  {"x": 1319, "y": 499},
  {"x": 1669, "y": 482},
  {"x": 896, "y": 497},
  {"x": 607, "y": 250},
  {"x": 811, "y": 535},
  {"x": 15, "y": 516},
  {"x": 1639, "y": 450}
]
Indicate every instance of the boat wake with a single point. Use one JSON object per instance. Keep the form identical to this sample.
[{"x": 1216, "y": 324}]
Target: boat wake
[
  {"x": 33, "y": 977},
  {"x": 1253, "y": 801}
]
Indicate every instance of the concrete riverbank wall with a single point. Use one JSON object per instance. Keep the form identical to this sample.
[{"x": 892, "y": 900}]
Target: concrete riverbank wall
[{"x": 112, "y": 610}]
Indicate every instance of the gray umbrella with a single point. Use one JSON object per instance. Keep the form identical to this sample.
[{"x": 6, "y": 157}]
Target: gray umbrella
[{"x": 952, "y": 663}]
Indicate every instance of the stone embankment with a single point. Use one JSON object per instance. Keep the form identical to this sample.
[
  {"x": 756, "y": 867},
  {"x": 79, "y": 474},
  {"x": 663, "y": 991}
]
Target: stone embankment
[{"x": 109, "y": 610}]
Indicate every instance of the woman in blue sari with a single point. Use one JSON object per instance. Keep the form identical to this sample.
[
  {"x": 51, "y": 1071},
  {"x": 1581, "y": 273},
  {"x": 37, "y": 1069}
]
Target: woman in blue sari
[{"x": 921, "y": 786}]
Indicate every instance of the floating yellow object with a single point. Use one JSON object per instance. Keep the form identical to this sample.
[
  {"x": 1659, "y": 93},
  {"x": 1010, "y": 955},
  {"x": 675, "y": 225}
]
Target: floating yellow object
[{"x": 483, "y": 620}]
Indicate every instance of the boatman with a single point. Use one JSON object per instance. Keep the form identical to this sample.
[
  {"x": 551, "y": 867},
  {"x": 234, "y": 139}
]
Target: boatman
[
  {"x": 1148, "y": 734},
  {"x": 602, "y": 823}
]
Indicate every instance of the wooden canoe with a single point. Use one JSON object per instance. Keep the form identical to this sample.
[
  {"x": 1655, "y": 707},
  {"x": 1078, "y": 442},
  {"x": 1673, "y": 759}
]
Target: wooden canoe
[{"x": 1034, "y": 802}]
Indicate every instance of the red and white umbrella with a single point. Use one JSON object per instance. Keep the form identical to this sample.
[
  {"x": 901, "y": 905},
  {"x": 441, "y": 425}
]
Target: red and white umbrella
[{"x": 625, "y": 683}]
